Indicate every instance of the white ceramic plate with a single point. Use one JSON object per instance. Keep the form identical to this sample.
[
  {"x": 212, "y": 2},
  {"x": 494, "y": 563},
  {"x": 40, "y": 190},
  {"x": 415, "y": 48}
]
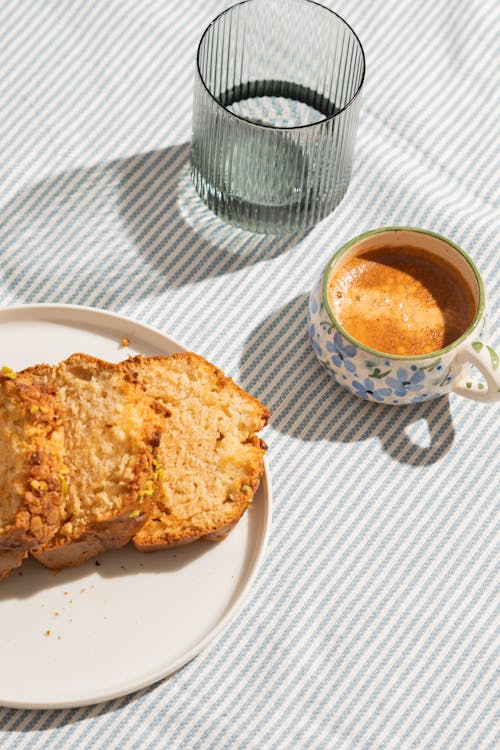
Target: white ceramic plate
[{"x": 124, "y": 619}]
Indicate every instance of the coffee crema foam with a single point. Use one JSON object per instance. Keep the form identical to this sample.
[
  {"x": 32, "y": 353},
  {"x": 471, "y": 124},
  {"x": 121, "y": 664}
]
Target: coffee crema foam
[{"x": 403, "y": 301}]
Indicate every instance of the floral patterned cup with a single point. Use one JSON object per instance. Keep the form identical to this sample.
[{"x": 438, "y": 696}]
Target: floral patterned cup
[{"x": 394, "y": 379}]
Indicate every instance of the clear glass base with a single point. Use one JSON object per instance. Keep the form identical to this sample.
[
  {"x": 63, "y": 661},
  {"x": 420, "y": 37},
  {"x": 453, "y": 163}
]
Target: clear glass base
[{"x": 262, "y": 180}]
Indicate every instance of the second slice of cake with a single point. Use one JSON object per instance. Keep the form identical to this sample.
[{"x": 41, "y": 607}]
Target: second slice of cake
[
  {"x": 111, "y": 433},
  {"x": 210, "y": 458}
]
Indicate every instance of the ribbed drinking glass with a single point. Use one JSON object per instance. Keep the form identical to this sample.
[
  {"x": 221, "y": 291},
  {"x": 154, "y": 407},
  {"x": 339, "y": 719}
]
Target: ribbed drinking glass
[{"x": 276, "y": 104}]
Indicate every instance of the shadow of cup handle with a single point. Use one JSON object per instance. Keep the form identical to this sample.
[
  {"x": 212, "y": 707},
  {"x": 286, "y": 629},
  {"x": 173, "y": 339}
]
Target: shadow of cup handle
[
  {"x": 486, "y": 360},
  {"x": 405, "y": 450}
]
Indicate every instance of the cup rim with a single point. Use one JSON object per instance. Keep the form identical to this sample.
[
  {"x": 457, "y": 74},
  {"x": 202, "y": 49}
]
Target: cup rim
[
  {"x": 403, "y": 357},
  {"x": 278, "y": 128}
]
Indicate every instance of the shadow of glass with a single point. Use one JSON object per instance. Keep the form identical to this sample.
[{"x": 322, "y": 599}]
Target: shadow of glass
[
  {"x": 278, "y": 366},
  {"x": 157, "y": 197},
  {"x": 93, "y": 229}
]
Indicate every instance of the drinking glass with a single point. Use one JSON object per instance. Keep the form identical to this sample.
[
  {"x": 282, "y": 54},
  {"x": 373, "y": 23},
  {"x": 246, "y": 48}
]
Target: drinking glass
[{"x": 276, "y": 104}]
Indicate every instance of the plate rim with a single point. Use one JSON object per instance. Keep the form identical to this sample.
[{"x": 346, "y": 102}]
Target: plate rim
[
  {"x": 61, "y": 307},
  {"x": 240, "y": 598}
]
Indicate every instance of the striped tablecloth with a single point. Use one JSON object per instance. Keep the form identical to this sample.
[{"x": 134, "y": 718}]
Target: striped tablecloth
[{"x": 374, "y": 620}]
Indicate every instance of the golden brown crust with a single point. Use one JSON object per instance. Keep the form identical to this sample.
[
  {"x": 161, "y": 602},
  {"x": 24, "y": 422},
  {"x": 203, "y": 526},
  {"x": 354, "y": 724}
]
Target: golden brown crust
[
  {"x": 211, "y": 456},
  {"x": 99, "y": 537},
  {"x": 111, "y": 437},
  {"x": 10, "y": 559},
  {"x": 31, "y": 436}
]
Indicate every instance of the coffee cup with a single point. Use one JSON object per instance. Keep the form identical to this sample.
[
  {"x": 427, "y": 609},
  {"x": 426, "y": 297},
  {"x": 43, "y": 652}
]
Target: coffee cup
[{"x": 398, "y": 316}]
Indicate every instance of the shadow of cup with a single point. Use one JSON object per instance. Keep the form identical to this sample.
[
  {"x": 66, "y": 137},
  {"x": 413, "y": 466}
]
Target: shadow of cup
[{"x": 278, "y": 365}]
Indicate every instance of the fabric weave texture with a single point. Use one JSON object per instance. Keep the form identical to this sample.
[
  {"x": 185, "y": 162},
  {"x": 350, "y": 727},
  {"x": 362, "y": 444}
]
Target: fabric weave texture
[{"x": 373, "y": 624}]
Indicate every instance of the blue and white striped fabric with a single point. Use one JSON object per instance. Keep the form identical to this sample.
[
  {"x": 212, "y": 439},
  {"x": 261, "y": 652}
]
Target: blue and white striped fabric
[{"x": 374, "y": 622}]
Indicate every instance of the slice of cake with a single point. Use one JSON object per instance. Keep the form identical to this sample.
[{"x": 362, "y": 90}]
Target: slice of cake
[
  {"x": 111, "y": 433},
  {"x": 210, "y": 458},
  {"x": 31, "y": 459}
]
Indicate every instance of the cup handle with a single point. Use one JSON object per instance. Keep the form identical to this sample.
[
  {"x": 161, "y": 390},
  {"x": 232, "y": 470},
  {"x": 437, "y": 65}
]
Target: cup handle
[{"x": 487, "y": 361}]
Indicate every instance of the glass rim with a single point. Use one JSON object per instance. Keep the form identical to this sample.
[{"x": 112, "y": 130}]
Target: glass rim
[
  {"x": 481, "y": 303},
  {"x": 278, "y": 128}
]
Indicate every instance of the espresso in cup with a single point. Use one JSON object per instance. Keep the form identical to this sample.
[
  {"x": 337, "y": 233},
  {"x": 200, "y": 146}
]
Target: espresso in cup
[
  {"x": 398, "y": 316},
  {"x": 401, "y": 300}
]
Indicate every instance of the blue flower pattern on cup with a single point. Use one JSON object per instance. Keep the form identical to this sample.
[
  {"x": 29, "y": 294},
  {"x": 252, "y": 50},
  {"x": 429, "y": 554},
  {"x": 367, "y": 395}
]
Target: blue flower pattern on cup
[
  {"x": 367, "y": 389},
  {"x": 405, "y": 381},
  {"x": 342, "y": 354},
  {"x": 372, "y": 377},
  {"x": 317, "y": 348}
]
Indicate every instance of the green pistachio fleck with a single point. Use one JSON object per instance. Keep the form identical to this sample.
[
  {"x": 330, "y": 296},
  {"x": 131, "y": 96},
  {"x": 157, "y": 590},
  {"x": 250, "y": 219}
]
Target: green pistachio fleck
[
  {"x": 157, "y": 470},
  {"x": 8, "y": 373},
  {"x": 148, "y": 491},
  {"x": 64, "y": 484}
]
